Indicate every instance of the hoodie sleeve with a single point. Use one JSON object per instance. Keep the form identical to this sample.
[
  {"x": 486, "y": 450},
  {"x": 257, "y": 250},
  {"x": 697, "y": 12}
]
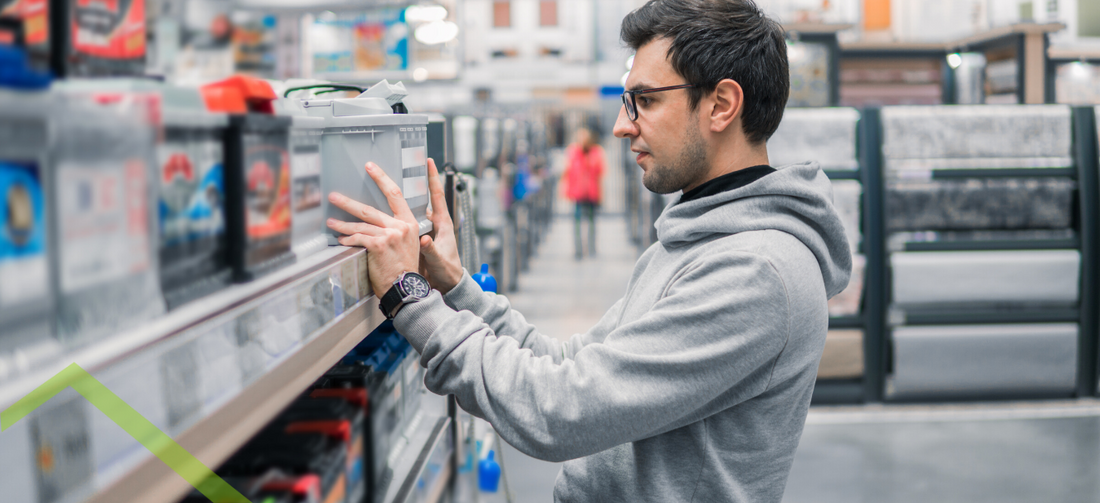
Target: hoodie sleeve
[
  {"x": 710, "y": 342},
  {"x": 497, "y": 313}
]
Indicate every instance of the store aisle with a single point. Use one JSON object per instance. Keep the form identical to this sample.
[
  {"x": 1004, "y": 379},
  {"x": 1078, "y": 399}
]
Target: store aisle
[
  {"x": 994, "y": 452},
  {"x": 563, "y": 296}
]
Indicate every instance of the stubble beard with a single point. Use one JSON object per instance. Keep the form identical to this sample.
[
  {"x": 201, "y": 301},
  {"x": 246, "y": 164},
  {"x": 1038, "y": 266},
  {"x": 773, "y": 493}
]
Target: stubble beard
[{"x": 689, "y": 166}]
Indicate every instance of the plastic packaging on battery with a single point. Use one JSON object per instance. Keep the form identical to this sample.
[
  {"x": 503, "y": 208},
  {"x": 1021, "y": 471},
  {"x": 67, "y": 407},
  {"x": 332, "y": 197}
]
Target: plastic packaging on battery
[
  {"x": 979, "y": 203},
  {"x": 825, "y": 135},
  {"x": 976, "y": 137},
  {"x": 365, "y": 129},
  {"x": 26, "y": 296},
  {"x": 308, "y": 228},
  {"x": 103, "y": 220}
]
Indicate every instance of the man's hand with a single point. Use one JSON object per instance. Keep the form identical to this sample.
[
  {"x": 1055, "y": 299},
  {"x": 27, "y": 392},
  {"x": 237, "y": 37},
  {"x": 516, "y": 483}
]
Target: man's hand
[
  {"x": 440, "y": 262},
  {"x": 391, "y": 242}
]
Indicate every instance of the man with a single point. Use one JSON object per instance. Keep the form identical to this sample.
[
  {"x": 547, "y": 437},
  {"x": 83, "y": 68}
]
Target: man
[{"x": 695, "y": 385}]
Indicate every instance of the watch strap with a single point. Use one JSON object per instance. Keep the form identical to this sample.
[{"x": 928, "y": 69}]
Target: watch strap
[{"x": 390, "y": 302}]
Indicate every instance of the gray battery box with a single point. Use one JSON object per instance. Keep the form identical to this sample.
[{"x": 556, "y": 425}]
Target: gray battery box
[{"x": 362, "y": 129}]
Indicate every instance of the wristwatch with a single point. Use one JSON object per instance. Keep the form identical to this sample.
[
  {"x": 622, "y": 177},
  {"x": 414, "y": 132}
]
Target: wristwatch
[{"x": 410, "y": 287}]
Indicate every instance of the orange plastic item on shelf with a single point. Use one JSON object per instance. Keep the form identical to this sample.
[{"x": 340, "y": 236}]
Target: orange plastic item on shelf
[{"x": 239, "y": 94}]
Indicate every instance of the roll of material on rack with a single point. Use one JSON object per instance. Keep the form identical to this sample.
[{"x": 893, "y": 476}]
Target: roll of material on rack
[
  {"x": 976, "y": 137},
  {"x": 1032, "y": 277},
  {"x": 971, "y": 204},
  {"x": 825, "y": 135},
  {"x": 848, "y": 199},
  {"x": 984, "y": 360},
  {"x": 843, "y": 355}
]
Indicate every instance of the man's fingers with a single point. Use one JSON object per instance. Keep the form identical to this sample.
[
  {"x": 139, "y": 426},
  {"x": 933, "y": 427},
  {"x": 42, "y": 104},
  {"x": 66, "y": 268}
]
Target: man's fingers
[
  {"x": 356, "y": 240},
  {"x": 349, "y": 228},
  {"x": 392, "y": 192},
  {"x": 361, "y": 211},
  {"x": 439, "y": 198}
]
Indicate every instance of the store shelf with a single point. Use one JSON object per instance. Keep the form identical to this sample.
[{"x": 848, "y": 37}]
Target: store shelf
[
  {"x": 990, "y": 245},
  {"x": 842, "y": 175},
  {"x": 943, "y": 174},
  {"x": 423, "y": 466},
  {"x": 845, "y": 322},
  {"x": 236, "y": 358}
]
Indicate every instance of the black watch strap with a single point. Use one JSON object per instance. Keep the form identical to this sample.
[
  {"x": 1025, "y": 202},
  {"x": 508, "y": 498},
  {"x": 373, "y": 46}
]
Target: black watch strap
[{"x": 390, "y": 302}]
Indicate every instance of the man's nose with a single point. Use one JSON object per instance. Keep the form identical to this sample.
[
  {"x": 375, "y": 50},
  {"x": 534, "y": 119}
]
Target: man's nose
[{"x": 624, "y": 127}]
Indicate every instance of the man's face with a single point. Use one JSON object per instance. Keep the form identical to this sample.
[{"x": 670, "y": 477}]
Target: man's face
[{"x": 666, "y": 136}]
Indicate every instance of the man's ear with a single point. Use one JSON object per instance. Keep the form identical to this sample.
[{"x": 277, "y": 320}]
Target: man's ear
[{"x": 729, "y": 99}]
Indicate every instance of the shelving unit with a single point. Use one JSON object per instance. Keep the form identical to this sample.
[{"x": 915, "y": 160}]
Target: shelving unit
[
  {"x": 830, "y": 135},
  {"x": 244, "y": 354},
  {"x": 989, "y": 338}
]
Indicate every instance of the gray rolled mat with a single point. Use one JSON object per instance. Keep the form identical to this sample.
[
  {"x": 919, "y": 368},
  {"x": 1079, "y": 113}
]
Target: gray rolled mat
[
  {"x": 843, "y": 355},
  {"x": 825, "y": 135},
  {"x": 976, "y": 136},
  {"x": 985, "y": 277},
  {"x": 974, "y": 360},
  {"x": 989, "y": 203}
]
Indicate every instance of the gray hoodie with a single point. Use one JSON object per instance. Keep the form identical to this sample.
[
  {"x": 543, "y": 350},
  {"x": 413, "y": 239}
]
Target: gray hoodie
[{"x": 695, "y": 385}]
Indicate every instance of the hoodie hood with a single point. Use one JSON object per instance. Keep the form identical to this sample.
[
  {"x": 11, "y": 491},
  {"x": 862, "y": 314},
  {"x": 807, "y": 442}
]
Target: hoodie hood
[{"x": 796, "y": 199}]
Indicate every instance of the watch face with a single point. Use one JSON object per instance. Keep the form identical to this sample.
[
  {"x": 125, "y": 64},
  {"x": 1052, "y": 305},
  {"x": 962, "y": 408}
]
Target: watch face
[{"x": 415, "y": 285}]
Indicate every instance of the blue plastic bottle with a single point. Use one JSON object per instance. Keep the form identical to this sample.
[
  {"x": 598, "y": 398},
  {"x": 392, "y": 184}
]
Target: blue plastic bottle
[
  {"x": 485, "y": 280},
  {"x": 488, "y": 474}
]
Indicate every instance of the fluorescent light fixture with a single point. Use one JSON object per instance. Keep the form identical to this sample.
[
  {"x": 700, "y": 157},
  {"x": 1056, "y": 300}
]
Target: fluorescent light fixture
[
  {"x": 436, "y": 32},
  {"x": 420, "y": 74},
  {"x": 623, "y": 80},
  {"x": 425, "y": 13},
  {"x": 954, "y": 60}
]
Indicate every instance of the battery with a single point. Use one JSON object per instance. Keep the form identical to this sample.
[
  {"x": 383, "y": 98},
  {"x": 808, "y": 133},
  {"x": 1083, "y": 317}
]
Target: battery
[
  {"x": 26, "y": 299},
  {"x": 191, "y": 169},
  {"x": 298, "y": 454},
  {"x": 101, "y": 217},
  {"x": 308, "y": 220},
  {"x": 257, "y": 176},
  {"x": 365, "y": 128},
  {"x": 95, "y": 38},
  {"x": 340, "y": 416}
]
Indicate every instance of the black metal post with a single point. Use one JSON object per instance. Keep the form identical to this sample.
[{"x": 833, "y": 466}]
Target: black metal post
[
  {"x": 874, "y": 245},
  {"x": 1085, "y": 144}
]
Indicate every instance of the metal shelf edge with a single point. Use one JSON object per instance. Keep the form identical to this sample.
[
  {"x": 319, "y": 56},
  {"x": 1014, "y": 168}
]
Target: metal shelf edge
[{"x": 217, "y": 436}]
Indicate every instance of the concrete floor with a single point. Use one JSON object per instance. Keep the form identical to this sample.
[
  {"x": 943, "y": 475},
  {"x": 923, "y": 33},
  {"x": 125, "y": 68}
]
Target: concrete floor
[{"x": 1000, "y": 452}]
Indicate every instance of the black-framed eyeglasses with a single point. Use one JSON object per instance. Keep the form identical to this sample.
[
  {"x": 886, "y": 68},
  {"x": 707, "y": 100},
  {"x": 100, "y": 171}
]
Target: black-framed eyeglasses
[{"x": 630, "y": 100}]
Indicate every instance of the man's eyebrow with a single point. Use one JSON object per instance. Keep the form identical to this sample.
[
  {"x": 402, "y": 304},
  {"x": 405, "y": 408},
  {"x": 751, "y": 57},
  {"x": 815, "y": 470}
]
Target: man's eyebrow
[{"x": 638, "y": 86}]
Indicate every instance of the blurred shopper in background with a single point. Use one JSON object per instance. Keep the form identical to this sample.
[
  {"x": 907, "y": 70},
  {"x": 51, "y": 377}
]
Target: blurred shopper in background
[
  {"x": 583, "y": 170},
  {"x": 695, "y": 385}
]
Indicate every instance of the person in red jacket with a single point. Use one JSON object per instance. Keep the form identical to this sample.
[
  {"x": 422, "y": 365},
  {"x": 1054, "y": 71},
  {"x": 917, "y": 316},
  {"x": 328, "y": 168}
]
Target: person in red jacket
[{"x": 583, "y": 170}]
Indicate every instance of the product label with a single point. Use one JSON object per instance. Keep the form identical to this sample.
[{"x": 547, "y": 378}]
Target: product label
[
  {"x": 267, "y": 178},
  {"x": 62, "y": 454},
  {"x": 109, "y": 29},
  {"x": 414, "y": 164},
  {"x": 34, "y": 14},
  {"x": 103, "y": 222},
  {"x": 23, "y": 262},
  {"x": 306, "y": 165},
  {"x": 192, "y": 188}
]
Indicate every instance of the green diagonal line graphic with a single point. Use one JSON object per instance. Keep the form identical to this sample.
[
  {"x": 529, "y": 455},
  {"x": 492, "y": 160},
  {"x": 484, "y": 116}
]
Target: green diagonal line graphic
[{"x": 157, "y": 442}]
